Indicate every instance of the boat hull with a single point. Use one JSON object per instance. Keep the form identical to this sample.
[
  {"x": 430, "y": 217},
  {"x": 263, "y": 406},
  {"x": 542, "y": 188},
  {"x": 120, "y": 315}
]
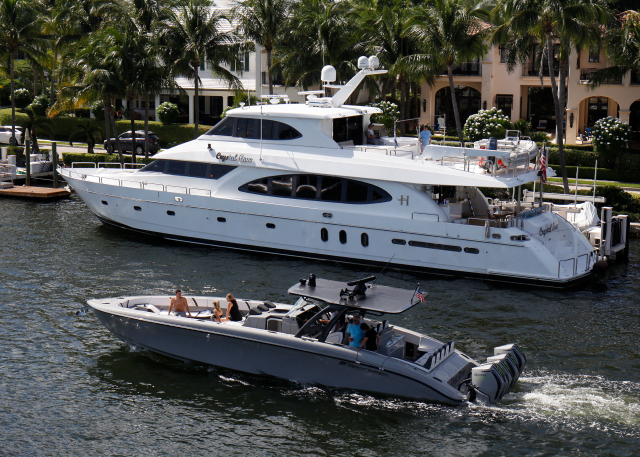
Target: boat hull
[{"x": 259, "y": 352}]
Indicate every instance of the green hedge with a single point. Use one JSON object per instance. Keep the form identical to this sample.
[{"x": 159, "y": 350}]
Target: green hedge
[
  {"x": 69, "y": 157},
  {"x": 604, "y": 174},
  {"x": 63, "y": 127}
]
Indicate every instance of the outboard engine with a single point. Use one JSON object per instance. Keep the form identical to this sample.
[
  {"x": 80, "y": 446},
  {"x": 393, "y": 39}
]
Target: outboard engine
[{"x": 492, "y": 380}]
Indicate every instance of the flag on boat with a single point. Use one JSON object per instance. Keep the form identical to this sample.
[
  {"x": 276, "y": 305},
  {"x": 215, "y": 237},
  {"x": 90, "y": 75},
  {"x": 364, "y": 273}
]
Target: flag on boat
[
  {"x": 543, "y": 165},
  {"x": 419, "y": 294}
]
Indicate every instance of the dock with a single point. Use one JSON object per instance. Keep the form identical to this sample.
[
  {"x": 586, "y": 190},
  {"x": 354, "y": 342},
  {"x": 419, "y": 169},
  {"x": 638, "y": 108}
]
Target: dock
[{"x": 37, "y": 193}]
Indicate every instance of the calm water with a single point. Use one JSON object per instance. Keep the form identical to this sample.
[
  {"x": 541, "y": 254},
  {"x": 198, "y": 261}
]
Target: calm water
[{"x": 69, "y": 388}]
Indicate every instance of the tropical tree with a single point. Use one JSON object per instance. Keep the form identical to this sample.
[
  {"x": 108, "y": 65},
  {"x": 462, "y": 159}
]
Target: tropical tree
[
  {"x": 20, "y": 32},
  {"x": 262, "y": 21},
  {"x": 89, "y": 130},
  {"x": 34, "y": 124},
  {"x": 542, "y": 30},
  {"x": 450, "y": 32},
  {"x": 195, "y": 36}
]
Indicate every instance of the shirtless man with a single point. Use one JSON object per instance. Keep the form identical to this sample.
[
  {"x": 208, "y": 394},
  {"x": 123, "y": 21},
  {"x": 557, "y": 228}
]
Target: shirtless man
[{"x": 179, "y": 305}]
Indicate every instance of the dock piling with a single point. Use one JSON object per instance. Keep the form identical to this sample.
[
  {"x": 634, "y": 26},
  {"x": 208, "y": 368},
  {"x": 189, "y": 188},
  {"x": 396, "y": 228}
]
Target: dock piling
[
  {"x": 54, "y": 161},
  {"x": 27, "y": 156}
]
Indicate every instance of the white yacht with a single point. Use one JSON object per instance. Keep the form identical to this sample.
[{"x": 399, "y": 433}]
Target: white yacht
[
  {"x": 299, "y": 180},
  {"x": 308, "y": 342}
]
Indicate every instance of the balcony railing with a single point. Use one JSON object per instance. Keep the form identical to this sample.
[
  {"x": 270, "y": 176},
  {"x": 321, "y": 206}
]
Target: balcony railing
[
  {"x": 587, "y": 73},
  {"x": 467, "y": 69},
  {"x": 532, "y": 69}
]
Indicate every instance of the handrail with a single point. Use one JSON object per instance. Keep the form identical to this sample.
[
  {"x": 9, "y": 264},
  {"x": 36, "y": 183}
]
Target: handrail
[{"x": 78, "y": 163}]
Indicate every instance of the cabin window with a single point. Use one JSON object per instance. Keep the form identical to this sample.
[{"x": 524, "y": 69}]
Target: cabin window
[
  {"x": 104, "y": 202},
  {"x": 156, "y": 165},
  {"x": 244, "y": 127},
  {"x": 218, "y": 171},
  {"x": 398, "y": 241},
  {"x": 364, "y": 239},
  {"x": 271, "y": 226},
  {"x": 324, "y": 234},
  {"x": 197, "y": 170},
  {"x": 224, "y": 127},
  {"x": 222, "y": 219},
  {"x": 348, "y": 129},
  {"x": 171, "y": 213},
  {"x": 471, "y": 250},
  {"x": 343, "y": 237},
  {"x": 137, "y": 208},
  {"x": 314, "y": 187},
  {"x": 192, "y": 169},
  {"x": 441, "y": 247}
]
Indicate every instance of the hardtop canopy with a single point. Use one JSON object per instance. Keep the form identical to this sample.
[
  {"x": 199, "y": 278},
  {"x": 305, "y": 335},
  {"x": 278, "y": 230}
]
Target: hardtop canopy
[{"x": 383, "y": 299}]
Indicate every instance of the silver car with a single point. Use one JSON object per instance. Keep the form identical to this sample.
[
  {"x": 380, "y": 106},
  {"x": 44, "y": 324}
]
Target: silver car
[{"x": 5, "y": 134}]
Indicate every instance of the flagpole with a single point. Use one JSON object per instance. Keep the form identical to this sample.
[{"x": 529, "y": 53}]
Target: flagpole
[{"x": 414, "y": 293}]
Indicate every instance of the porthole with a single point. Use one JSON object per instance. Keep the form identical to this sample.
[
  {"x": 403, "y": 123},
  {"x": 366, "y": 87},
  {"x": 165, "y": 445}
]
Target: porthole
[
  {"x": 324, "y": 234},
  {"x": 343, "y": 237},
  {"x": 364, "y": 239},
  {"x": 104, "y": 202},
  {"x": 471, "y": 251},
  {"x": 222, "y": 219},
  {"x": 137, "y": 208},
  {"x": 497, "y": 236},
  {"x": 398, "y": 241},
  {"x": 271, "y": 226},
  {"x": 171, "y": 213}
]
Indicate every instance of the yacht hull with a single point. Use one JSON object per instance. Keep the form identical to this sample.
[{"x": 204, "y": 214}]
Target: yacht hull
[{"x": 282, "y": 356}]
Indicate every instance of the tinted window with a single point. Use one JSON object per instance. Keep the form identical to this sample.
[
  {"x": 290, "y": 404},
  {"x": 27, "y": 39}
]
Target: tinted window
[
  {"x": 269, "y": 129},
  {"x": 307, "y": 187},
  {"x": 197, "y": 170},
  {"x": 176, "y": 167},
  {"x": 356, "y": 192},
  {"x": 287, "y": 132},
  {"x": 156, "y": 165},
  {"x": 313, "y": 187},
  {"x": 282, "y": 186},
  {"x": 245, "y": 128},
  {"x": 218, "y": 171},
  {"x": 223, "y": 128},
  {"x": 331, "y": 189}
]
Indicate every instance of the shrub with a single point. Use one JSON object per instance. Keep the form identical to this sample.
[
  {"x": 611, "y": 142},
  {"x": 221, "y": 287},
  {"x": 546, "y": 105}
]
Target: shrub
[
  {"x": 39, "y": 105},
  {"x": 22, "y": 98},
  {"x": 97, "y": 108},
  {"x": 524, "y": 126},
  {"x": 610, "y": 138},
  {"x": 485, "y": 124},
  {"x": 168, "y": 112},
  {"x": 389, "y": 114}
]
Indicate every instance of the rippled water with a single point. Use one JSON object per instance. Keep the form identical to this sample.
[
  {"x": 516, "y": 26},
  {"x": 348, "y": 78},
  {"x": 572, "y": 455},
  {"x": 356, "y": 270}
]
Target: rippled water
[{"x": 68, "y": 387}]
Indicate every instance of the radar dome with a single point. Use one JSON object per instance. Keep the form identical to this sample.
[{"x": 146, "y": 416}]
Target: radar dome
[
  {"x": 363, "y": 63},
  {"x": 374, "y": 62},
  {"x": 328, "y": 74}
]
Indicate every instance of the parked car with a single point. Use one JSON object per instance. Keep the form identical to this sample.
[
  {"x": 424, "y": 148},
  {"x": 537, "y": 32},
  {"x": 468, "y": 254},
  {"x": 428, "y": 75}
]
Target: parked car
[
  {"x": 5, "y": 134},
  {"x": 126, "y": 142}
]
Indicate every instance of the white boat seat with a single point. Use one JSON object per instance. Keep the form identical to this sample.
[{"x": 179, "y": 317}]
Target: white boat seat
[{"x": 335, "y": 338}]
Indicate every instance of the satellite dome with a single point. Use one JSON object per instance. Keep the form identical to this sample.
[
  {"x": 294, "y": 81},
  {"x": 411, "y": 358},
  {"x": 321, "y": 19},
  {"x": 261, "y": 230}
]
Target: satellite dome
[
  {"x": 363, "y": 63},
  {"x": 328, "y": 74}
]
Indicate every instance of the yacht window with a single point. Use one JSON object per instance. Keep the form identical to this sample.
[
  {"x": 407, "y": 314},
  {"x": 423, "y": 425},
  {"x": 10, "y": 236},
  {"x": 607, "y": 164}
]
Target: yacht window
[
  {"x": 223, "y": 128},
  {"x": 343, "y": 237},
  {"x": 218, "y": 171},
  {"x": 259, "y": 186},
  {"x": 331, "y": 189},
  {"x": 307, "y": 187},
  {"x": 282, "y": 186},
  {"x": 287, "y": 132},
  {"x": 197, "y": 170},
  {"x": 364, "y": 239},
  {"x": 471, "y": 250},
  {"x": 245, "y": 128},
  {"x": 156, "y": 165},
  {"x": 348, "y": 129},
  {"x": 269, "y": 129},
  {"x": 176, "y": 167},
  {"x": 314, "y": 187},
  {"x": 356, "y": 192},
  {"x": 398, "y": 241},
  {"x": 324, "y": 234}
]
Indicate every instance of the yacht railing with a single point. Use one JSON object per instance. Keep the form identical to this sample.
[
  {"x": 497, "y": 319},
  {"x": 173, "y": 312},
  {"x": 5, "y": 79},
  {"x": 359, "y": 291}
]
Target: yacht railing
[
  {"x": 405, "y": 150},
  {"x": 494, "y": 161},
  {"x": 109, "y": 181}
]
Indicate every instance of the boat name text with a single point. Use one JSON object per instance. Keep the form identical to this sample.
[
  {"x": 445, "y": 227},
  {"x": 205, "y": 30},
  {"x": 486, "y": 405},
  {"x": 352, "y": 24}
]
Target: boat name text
[
  {"x": 549, "y": 228},
  {"x": 234, "y": 158},
  {"x": 362, "y": 368}
]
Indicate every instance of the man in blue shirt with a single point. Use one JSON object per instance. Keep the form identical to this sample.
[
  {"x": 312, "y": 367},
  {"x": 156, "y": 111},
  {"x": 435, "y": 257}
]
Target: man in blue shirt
[
  {"x": 356, "y": 334},
  {"x": 425, "y": 137}
]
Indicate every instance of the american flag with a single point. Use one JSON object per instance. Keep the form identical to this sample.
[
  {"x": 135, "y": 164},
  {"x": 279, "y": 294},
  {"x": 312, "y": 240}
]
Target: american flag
[
  {"x": 419, "y": 294},
  {"x": 543, "y": 165}
]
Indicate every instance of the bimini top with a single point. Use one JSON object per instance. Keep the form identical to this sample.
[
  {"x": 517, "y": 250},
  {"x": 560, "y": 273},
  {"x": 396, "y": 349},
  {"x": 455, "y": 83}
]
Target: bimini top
[{"x": 357, "y": 294}]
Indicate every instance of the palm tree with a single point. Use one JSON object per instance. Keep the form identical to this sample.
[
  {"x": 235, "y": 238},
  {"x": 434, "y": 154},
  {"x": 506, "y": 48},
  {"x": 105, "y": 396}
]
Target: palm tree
[
  {"x": 262, "y": 21},
  {"x": 33, "y": 125},
  {"x": 89, "y": 130},
  {"x": 194, "y": 36},
  {"x": 450, "y": 32},
  {"x": 20, "y": 32},
  {"x": 570, "y": 22},
  {"x": 622, "y": 46}
]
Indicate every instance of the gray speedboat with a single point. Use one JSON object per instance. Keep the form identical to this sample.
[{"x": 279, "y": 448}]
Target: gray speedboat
[{"x": 307, "y": 342}]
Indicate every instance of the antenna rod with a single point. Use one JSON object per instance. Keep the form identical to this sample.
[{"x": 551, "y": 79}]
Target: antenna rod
[{"x": 383, "y": 269}]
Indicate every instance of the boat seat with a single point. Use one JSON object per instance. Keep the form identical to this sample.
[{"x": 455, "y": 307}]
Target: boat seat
[
  {"x": 255, "y": 311},
  {"x": 268, "y": 304},
  {"x": 262, "y": 308}
]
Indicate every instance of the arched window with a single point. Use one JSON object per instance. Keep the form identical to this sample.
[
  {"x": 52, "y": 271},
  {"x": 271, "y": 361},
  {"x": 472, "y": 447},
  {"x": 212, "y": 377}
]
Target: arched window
[
  {"x": 364, "y": 239},
  {"x": 468, "y": 100},
  {"x": 343, "y": 237}
]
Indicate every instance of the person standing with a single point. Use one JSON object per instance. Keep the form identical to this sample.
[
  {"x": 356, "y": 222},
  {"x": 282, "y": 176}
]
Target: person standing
[
  {"x": 355, "y": 332},
  {"x": 425, "y": 137}
]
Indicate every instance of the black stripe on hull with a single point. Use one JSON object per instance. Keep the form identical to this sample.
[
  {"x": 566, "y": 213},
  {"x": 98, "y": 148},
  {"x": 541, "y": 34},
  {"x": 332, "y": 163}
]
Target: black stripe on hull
[{"x": 398, "y": 266}]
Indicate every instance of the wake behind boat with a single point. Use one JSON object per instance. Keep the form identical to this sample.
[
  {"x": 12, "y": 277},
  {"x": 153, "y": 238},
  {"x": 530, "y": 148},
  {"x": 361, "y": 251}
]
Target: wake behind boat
[{"x": 308, "y": 342}]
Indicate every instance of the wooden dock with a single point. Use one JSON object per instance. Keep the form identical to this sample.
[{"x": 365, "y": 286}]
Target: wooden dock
[{"x": 38, "y": 193}]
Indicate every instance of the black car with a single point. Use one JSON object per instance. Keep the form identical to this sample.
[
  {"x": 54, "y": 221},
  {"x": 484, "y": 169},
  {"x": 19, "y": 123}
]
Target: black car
[{"x": 126, "y": 142}]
